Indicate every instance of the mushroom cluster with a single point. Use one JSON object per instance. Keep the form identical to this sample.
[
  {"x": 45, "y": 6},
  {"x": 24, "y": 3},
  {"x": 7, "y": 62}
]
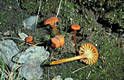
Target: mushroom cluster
[
  {"x": 87, "y": 52},
  {"x": 58, "y": 40}
]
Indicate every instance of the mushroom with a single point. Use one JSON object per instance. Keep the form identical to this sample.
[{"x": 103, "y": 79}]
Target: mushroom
[
  {"x": 87, "y": 53},
  {"x": 61, "y": 39},
  {"x": 75, "y": 27},
  {"x": 51, "y": 21},
  {"x": 57, "y": 41},
  {"x": 29, "y": 39}
]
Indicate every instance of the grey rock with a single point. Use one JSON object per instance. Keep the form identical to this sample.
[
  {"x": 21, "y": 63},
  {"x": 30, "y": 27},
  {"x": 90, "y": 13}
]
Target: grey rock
[
  {"x": 30, "y": 23},
  {"x": 60, "y": 78},
  {"x": 32, "y": 58},
  {"x": 33, "y": 54},
  {"x": 68, "y": 79},
  {"x": 8, "y": 49},
  {"x": 57, "y": 78},
  {"x": 30, "y": 71}
]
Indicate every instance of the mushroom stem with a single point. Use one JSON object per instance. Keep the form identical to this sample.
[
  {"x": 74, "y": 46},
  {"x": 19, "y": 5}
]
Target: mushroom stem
[
  {"x": 75, "y": 41},
  {"x": 54, "y": 28},
  {"x": 68, "y": 59}
]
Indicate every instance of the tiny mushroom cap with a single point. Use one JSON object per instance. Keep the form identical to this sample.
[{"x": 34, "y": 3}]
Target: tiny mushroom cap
[
  {"x": 51, "y": 20},
  {"x": 29, "y": 39},
  {"x": 75, "y": 27},
  {"x": 90, "y": 51},
  {"x": 55, "y": 42}
]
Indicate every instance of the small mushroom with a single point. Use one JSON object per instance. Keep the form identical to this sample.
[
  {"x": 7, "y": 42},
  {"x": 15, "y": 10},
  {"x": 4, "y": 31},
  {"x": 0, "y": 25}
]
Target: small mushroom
[
  {"x": 61, "y": 39},
  {"x": 57, "y": 41},
  {"x": 87, "y": 53},
  {"x": 75, "y": 27},
  {"x": 29, "y": 39},
  {"x": 51, "y": 21}
]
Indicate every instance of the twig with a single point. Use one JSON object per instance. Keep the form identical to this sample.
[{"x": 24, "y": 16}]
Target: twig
[
  {"x": 12, "y": 38},
  {"x": 59, "y": 8},
  {"x": 88, "y": 75},
  {"x": 38, "y": 13},
  {"x": 79, "y": 69},
  {"x": 11, "y": 76}
]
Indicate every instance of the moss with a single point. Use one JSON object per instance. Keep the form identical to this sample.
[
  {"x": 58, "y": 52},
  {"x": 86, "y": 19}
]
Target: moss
[{"x": 112, "y": 11}]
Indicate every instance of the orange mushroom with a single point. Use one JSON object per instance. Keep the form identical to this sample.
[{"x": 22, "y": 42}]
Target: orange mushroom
[
  {"x": 91, "y": 52},
  {"x": 55, "y": 42},
  {"x": 75, "y": 27},
  {"x": 61, "y": 39},
  {"x": 51, "y": 21},
  {"x": 87, "y": 53},
  {"x": 58, "y": 41},
  {"x": 29, "y": 39}
]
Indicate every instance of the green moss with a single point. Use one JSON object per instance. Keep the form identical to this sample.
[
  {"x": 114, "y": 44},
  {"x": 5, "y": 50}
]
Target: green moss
[{"x": 30, "y": 6}]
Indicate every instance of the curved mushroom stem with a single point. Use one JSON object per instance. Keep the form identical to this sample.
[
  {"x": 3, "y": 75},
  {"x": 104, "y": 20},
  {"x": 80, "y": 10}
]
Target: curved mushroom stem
[
  {"x": 68, "y": 59},
  {"x": 54, "y": 28},
  {"x": 75, "y": 41}
]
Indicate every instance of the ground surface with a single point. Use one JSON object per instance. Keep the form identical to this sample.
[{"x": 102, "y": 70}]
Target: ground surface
[{"x": 110, "y": 64}]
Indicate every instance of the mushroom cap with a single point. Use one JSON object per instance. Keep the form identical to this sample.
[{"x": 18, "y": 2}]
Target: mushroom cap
[
  {"x": 75, "y": 27},
  {"x": 29, "y": 39},
  {"x": 61, "y": 39},
  {"x": 90, "y": 51},
  {"x": 51, "y": 20},
  {"x": 55, "y": 42}
]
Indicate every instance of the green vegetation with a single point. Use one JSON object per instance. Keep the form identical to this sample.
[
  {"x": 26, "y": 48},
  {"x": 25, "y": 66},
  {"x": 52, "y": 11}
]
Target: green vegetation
[
  {"x": 86, "y": 13},
  {"x": 2, "y": 69},
  {"x": 108, "y": 10}
]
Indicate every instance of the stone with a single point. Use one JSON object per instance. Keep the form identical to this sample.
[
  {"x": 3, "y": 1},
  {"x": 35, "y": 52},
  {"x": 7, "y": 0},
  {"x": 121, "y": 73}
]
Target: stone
[
  {"x": 31, "y": 59},
  {"x": 68, "y": 79},
  {"x": 30, "y": 23},
  {"x": 57, "y": 78},
  {"x": 8, "y": 49}
]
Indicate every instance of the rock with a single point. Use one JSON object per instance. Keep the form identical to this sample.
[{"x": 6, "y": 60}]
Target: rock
[
  {"x": 31, "y": 72},
  {"x": 60, "y": 78},
  {"x": 1, "y": 33},
  {"x": 32, "y": 58},
  {"x": 8, "y": 49},
  {"x": 30, "y": 23},
  {"x": 68, "y": 79},
  {"x": 57, "y": 78},
  {"x": 22, "y": 36},
  {"x": 33, "y": 54}
]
